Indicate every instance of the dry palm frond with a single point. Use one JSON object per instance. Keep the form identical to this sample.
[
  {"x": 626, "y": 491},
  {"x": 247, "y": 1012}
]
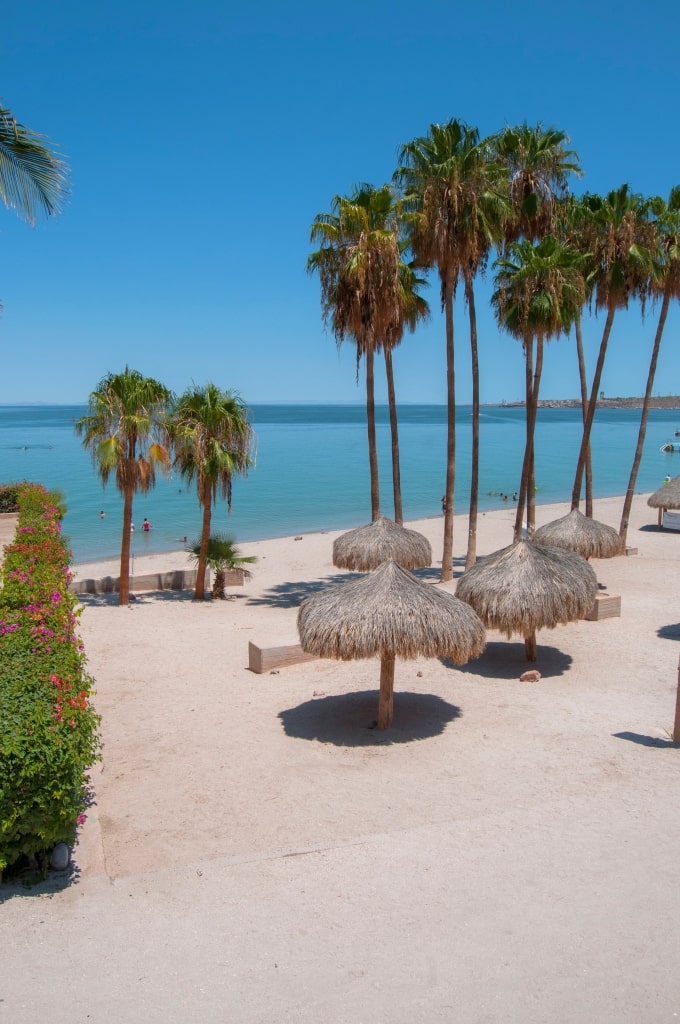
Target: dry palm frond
[
  {"x": 369, "y": 546},
  {"x": 667, "y": 496},
  {"x": 576, "y": 532},
  {"x": 528, "y": 586},
  {"x": 389, "y": 612}
]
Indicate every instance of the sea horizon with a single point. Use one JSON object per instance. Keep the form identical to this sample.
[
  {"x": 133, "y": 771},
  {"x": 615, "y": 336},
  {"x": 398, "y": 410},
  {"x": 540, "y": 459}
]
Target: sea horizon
[{"x": 311, "y": 470}]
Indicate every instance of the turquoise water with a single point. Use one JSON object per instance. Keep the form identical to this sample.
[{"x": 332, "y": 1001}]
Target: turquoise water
[{"x": 312, "y": 469}]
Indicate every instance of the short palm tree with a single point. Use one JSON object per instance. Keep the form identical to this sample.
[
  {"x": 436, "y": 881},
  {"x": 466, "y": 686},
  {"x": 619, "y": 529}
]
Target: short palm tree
[
  {"x": 222, "y": 556},
  {"x": 665, "y": 284},
  {"x": 539, "y": 290},
  {"x": 32, "y": 177},
  {"x": 125, "y": 433},
  {"x": 358, "y": 262},
  {"x": 213, "y": 441}
]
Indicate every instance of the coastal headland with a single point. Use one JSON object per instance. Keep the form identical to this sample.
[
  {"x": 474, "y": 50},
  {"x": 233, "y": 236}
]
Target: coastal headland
[{"x": 659, "y": 402}]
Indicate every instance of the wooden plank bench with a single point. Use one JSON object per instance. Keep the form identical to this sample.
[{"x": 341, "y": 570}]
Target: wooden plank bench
[
  {"x": 264, "y": 659},
  {"x": 606, "y": 607}
]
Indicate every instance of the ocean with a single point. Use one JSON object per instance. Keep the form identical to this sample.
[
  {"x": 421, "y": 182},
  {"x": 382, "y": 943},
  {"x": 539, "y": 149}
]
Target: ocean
[{"x": 311, "y": 471}]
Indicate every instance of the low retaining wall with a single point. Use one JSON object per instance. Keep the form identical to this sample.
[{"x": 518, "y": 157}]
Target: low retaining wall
[{"x": 175, "y": 579}]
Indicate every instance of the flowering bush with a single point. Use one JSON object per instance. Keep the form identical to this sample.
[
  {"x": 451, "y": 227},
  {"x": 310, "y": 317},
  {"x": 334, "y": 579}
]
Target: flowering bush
[
  {"x": 9, "y": 497},
  {"x": 48, "y": 728}
]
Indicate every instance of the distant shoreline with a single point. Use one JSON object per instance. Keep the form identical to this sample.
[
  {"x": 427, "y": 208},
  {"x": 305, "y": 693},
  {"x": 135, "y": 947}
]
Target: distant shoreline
[{"x": 660, "y": 402}]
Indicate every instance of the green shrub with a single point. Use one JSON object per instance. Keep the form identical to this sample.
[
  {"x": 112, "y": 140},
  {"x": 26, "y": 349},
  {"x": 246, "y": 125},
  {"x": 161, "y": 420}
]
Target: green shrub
[
  {"x": 48, "y": 728},
  {"x": 9, "y": 497}
]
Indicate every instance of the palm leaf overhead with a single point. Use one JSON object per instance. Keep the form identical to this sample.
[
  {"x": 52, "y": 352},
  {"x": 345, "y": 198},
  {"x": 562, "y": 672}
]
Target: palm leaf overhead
[{"x": 32, "y": 178}]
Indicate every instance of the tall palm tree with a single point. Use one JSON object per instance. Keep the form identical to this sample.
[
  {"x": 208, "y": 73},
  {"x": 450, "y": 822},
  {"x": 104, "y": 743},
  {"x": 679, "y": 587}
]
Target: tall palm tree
[
  {"x": 665, "y": 283},
  {"x": 32, "y": 177},
  {"x": 415, "y": 309},
  {"x": 444, "y": 177},
  {"x": 539, "y": 290},
  {"x": 125, "y": 432},
  {"x": 618, "y": 231},
  {"x": 358, "y": 262},
  {"x": 213, "y": 441},
  {"x": 571, "y": 218}
]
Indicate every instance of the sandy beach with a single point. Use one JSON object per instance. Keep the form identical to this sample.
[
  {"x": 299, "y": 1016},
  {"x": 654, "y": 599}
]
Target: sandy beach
[{"x": 256, "y": 853}]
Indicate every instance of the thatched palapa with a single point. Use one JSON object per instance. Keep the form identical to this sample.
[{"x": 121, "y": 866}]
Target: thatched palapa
[
  {"x": 390, "y": 614},
  {"x": 369, "y": 546},
  {"x": 576, "y": 532},
  {"x": 529, "y": 586},
  {"x": 667, "y": 496}
]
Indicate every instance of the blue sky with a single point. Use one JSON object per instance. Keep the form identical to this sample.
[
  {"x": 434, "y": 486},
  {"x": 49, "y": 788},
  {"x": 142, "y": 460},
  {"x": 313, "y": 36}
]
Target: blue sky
[{"x": 202, "y": 144}]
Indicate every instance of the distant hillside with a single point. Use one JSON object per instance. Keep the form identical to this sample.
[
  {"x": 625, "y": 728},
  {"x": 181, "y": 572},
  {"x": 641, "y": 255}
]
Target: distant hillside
[{"x": 660, "y": 402}]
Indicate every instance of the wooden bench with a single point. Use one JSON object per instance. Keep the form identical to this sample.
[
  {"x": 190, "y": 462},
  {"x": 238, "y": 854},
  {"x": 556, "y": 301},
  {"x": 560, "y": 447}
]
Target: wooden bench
[
  {"x": 264, "y": 659},
  {"x": 605, "y": 607}
]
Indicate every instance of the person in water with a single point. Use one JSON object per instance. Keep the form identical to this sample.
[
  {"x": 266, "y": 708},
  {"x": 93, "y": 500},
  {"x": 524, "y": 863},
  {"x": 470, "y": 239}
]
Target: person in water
[{"x": 146, "y": 526}]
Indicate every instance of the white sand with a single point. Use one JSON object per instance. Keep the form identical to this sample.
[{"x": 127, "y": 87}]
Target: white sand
[{"x": 506, "y": 853}]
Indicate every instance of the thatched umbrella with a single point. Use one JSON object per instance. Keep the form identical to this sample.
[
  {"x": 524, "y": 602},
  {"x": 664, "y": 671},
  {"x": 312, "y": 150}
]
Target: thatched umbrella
[
  {"x": 388, "y": 613},
  {"x": 577, "y": 532},
  {"x": 529, "y": 586},
  {"x": 369, "y": 546},
  {"x": 667, "y": 496}
]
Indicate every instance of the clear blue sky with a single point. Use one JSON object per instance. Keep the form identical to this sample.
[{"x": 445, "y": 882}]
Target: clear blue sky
[{"x": 202, "y": 144}]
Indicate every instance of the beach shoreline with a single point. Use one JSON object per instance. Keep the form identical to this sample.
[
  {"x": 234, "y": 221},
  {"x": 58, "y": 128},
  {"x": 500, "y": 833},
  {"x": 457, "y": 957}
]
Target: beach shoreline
[{"x": 256, "y": 849}]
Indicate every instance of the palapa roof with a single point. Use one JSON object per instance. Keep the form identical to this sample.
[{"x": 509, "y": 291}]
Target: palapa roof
[
  {"x": 529, "y": 586},
  {"x": 577, "y": 532},
  {"x": 369, "y": 546},
  {"x": 667, "y": 496},
  {"x": 389, "y": 612}
]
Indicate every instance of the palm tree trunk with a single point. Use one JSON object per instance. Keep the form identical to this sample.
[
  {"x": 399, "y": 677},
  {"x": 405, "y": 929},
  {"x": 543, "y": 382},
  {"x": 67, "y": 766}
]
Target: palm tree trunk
[
  {"x": 526, "y": 462},
  {"x": 531, "y": 480},
  {"x": 471, "y": 556},
  {"x": 394, "y": 431},
  {"x": 199, "y": 592},
  {"x": 124, "y": 576},
  {"x": 592, "y": 404},
  {"x": 628, "y": 501},
  {"x": 372, "y": 441},
  {"x": 583, "y": 377},
  {"x": 447, "y": 554}
]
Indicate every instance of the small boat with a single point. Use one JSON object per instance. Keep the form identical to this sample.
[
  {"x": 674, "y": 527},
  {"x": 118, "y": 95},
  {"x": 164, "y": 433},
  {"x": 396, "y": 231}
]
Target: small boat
[
  {"x": 677, "y": 433},
  {"x": 670, "y": 446}
]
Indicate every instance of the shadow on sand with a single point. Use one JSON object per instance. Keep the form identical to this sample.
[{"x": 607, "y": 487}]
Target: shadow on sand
[
  {"x": 349, "y": 719},
  {"x": 507, "y": 660},
  {"x": 646, "y": 741},
  {"x": 669, "y": 632}
]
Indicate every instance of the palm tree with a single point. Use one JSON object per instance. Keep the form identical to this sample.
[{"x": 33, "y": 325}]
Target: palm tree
[
  {"x": 444, "y": 176},
  {"x": 222, "y": 556},
  {"x": 213, "y": 440},
  {"x": 358, "y": 263},
  {"x": 125, "y": 432},
  {"x": 619, "y": 232},
  {"x": 666, "y": 284},
  {"x": 539, "y": 291},
  {"x": 32, "y": 177},
  {"x": 538, "y": 166}
]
